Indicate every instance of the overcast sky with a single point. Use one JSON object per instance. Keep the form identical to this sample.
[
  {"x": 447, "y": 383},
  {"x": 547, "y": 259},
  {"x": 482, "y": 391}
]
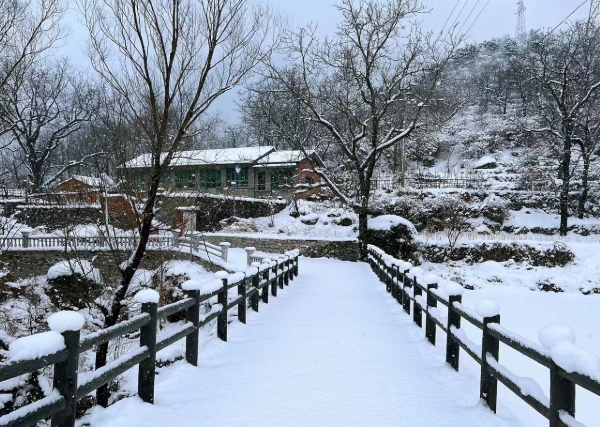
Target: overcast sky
[{"x": 497, "y": 19}]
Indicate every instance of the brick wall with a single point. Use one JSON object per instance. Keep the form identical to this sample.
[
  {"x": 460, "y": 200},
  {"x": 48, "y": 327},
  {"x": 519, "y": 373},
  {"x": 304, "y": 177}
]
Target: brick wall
[{"x": 308, "y": 178}]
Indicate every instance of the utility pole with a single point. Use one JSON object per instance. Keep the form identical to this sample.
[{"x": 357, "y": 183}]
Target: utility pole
[{"x": 521, "y": 31}]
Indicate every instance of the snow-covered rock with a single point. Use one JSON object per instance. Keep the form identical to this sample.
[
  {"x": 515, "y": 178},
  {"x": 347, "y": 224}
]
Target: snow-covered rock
[
  {"x": 485, "y": 162},
  {"x": 386, "y": 222}
]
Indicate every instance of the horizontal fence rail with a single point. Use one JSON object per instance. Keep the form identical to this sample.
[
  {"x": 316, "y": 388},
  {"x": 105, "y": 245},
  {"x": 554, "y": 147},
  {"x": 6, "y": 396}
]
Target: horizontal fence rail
[
  {"x": 260, "y": 280},
  {"x": 414, "y": 289}
]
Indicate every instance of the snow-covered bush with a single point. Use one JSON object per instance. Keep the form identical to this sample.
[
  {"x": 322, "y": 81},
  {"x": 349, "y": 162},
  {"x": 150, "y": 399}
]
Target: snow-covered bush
[
  {"x": 537, "y": 254},
  {"x": 73, "y": 284},
  {"x": 393, "y": 234},
  {"x": 495, "y": 208}
]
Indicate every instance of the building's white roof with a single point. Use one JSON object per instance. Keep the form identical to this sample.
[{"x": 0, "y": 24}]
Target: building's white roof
[
  {"x": 285, "y": 157},
  {"x": 218, "y": 156}
]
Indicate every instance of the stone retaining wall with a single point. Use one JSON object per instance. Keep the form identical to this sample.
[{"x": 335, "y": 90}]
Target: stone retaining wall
[
  {"x": 29, "y": 263},
  {"x": 345, "y": 250}
]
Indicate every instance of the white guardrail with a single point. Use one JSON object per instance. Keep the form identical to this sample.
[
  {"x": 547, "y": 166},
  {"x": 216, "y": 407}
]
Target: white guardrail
[{"x": 53, "y": 242}]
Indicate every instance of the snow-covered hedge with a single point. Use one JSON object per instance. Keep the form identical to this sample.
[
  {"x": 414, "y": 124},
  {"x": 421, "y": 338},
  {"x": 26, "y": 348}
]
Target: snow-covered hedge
[{"x": 548, "y": 254}]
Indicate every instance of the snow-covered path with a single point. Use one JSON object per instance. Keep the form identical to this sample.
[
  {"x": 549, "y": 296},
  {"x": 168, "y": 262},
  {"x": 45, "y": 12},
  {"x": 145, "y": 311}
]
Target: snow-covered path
[{"x": 332, "y": 350}]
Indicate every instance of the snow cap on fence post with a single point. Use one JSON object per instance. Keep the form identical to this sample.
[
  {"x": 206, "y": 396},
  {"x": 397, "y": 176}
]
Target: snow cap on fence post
[
  {"x": 453, "y": 289},
  {"x": 221, "y": 274},
  {"x": 147, "y": 296},
  {"x": 556, "y": 333},
  {"x": 63, "y": 321},
  {"x": 487, "y": 308},
  {"x": 430, "y": 279},
  {"x": 68, "y": 324}
]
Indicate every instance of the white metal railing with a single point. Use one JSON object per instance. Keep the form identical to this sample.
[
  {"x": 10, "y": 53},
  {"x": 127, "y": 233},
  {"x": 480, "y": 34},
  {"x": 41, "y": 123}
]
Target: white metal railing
[
  {"x": 198, "y": 244},
  {"x": 53, "y": 242}
]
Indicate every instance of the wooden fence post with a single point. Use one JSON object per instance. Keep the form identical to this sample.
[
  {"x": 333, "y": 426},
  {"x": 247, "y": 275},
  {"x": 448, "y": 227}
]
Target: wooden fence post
[
  {"x": 562, "y": 395},
  {"x": 398, "y": 286},
  {"x": 452, "y": 347},
  {"x": 274, "y": 280},
  {"x": 488, "y": 385},
  {"x": 280, "y": 278},
  {"x": 65, "y": 372},
  {"x": 296, "y": 265},
  {"x": 286, "y": 271},
  {"x": 394, "y": 282},
  {"x": 222, "y": 318},
  {"x": 430, "y": 327},
  {"x": 405, "y": 298},
  {"x": 192, "y": 315},
  {"x": 265, "y": 289},
  {"x": 290, "y": 267},
  {"x": 255, "y": 278},
  {"x": 147, "y": 369},
  {"x": 417, "y": 310},
  {"x": 243, "y": 304}
]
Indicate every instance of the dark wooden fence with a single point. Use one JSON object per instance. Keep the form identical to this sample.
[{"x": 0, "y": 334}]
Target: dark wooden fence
[
  {"x": 69, "y": 387},
  {"x": 559, "y": 410}
]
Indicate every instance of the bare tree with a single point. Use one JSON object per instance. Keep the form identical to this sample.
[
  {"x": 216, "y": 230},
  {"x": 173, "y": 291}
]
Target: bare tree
[
  {"x": 169, "y": 60},
  {"x": 566, "y": 67},
  {"x": 28, "y": 29},
  {"x": 354, "y": 86},
  {"x": 43, "y": 106}
]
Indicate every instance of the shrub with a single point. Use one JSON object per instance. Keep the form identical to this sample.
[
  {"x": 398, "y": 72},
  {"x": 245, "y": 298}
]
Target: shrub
[
  {"x": 393, "y": 234},
  {"x": 74, "y": 284}
]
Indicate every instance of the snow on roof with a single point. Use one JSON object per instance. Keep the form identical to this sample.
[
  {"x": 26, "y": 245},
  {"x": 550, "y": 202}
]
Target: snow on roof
[
  {"x": 286, "y": 157},
  {"x": 220, "y": 156},
  {"x": 103, "y": 181}
]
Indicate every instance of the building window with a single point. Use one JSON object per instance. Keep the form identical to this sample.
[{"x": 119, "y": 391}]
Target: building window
[
  {"x": 140, "y": 178},
  {"x": 282, "y": 178},
  {"x": 210, "y": 178},
  {"x": 185, "y": 178},
  {"x": 235, "y": 179}
]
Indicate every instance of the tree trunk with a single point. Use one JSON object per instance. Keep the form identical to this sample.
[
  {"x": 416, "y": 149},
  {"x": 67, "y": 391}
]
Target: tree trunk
[
  {"x": 585, "y": 187},
  {"x": 103, "y": 393},
  {"x": 566, "y": 183},
  {"x": 362, "y": 233},
  {"x": 37, "y": 179},
  {"x": 363, "y": 213}
]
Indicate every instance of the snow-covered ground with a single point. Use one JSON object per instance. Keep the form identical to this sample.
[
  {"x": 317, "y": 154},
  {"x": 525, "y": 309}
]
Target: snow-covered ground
[
  {"x": 323, "y": 220},
  {"x": 581, "y": 275},
  {"x": 333, "y": 349}
]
